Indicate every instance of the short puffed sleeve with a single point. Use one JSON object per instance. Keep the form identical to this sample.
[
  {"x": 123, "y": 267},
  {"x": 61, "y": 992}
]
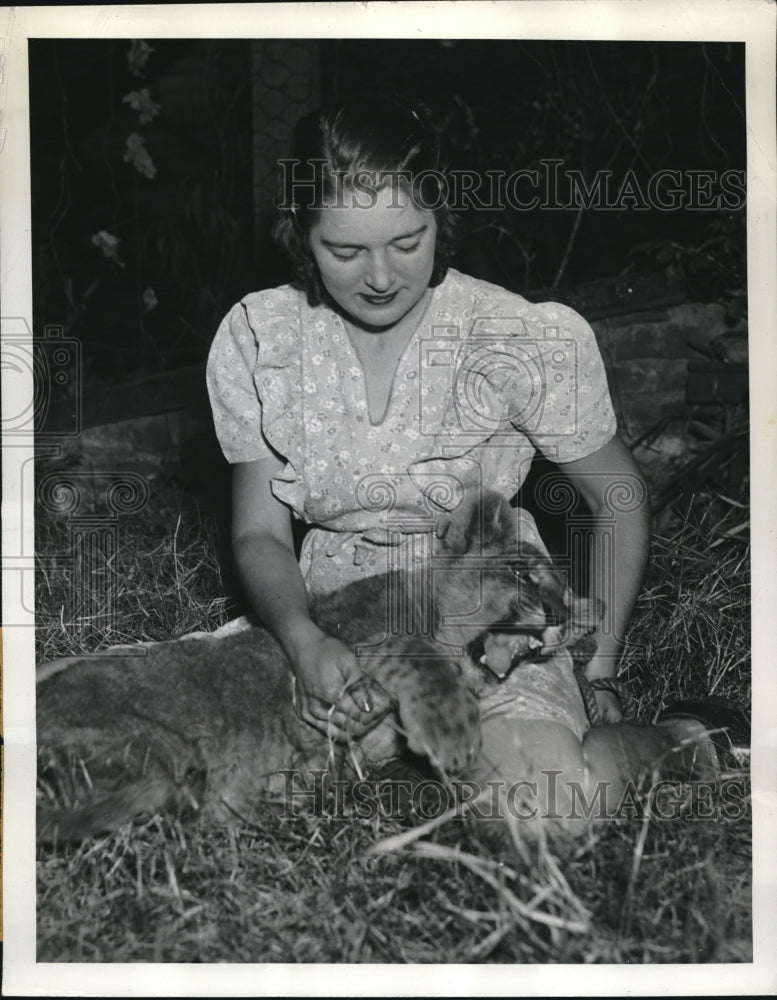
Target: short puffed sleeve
[
  {"x": 234, "y": 400},
  {"x": 571, "y": 416}
]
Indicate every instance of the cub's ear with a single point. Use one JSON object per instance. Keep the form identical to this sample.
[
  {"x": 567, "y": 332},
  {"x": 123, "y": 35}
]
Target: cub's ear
[
  {"x": 498, "y": 522},
  {"x": 482, "y": 521}
]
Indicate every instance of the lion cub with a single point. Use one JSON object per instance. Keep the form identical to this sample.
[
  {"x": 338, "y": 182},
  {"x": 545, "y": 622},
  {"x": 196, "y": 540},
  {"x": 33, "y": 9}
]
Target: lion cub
[{"x": 209, "y": 721}]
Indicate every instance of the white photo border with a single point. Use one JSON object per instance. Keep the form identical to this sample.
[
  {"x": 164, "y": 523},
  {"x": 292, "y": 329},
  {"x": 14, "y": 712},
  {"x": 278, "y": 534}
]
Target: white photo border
[{"x": 749, "y": 21}]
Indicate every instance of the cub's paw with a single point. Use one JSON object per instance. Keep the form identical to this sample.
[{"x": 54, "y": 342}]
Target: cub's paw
[{"x": 440, "y": 716}]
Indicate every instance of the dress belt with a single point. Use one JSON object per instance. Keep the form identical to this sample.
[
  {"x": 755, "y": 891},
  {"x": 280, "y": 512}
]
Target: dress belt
[{"x": 368, "y": 543}]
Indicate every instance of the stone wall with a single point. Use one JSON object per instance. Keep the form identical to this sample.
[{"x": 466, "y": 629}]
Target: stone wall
[{"x": 647, "y": 356}]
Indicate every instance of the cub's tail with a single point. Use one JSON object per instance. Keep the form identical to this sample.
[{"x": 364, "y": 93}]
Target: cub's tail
[{"x": 141, "y": 798}]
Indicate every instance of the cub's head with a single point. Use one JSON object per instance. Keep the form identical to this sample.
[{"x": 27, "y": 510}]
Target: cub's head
[{"x": 504, "y": 601}]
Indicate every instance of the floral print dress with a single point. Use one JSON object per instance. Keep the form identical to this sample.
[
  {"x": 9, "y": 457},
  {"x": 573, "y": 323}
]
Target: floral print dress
[{"x": 486, "y": 381}]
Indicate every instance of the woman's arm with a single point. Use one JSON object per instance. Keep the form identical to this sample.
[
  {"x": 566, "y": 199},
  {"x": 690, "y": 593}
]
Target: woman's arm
[
  {"x": 616, "y": 580},
  {"x": 264, "y": 555}
]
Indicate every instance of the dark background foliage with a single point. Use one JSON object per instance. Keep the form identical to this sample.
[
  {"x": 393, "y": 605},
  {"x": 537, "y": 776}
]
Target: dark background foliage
[
  {"x": 604, "y": 106},
  {"x": 185, "y": 232},
  {"x": 187, "y": 249}
]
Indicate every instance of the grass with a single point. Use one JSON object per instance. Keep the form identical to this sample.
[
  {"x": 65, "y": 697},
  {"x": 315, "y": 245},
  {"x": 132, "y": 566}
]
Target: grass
[
  {"x": 156, "y": 575},
  {"x": 313, "y": 888}
]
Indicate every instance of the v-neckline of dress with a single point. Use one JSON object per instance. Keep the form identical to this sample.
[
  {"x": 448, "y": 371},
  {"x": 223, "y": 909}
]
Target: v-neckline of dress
[{"x": 390, "y": 400}]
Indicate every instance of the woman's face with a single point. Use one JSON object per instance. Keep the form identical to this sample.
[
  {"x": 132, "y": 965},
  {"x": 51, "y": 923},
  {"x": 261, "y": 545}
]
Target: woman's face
[{"x": 376, "y": 262}]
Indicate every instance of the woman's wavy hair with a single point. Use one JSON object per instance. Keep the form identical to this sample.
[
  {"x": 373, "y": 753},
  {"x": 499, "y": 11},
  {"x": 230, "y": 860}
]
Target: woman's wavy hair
[{"x": 379, "y": 135}]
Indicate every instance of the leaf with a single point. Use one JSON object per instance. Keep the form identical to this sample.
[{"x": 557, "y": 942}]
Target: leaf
[
  {"x": 138, "y": 56},
  {"x": 137, "y": 154},
  {"x": 150, "y": 301},
  {"x": 109, "y": 244},
  {"x": 140, "y": 100}
]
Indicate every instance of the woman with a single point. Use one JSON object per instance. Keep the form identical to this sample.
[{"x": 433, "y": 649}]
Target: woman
[{"x": 366, "y": 398}]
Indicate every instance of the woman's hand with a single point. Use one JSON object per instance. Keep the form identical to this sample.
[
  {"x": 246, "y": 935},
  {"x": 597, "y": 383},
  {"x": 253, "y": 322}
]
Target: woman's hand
[
  {"x": 332, "y": 694},
  {"x": 323, "y": 666}
]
